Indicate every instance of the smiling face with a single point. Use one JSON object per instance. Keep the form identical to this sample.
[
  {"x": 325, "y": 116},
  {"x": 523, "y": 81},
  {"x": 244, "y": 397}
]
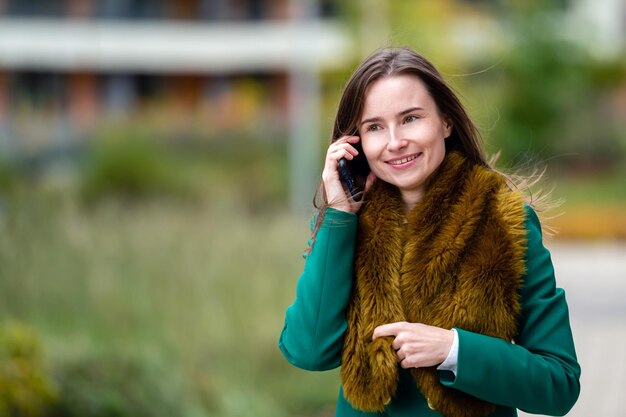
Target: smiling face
[{"x": 403, "y": 134}]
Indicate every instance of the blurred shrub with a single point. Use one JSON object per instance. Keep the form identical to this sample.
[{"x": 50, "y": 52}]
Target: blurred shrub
[
  {"x": 130, "y": 165},
  {"x": 25, "y": 389},
  {"x": 554, "y": 100},
  {"x": 249, "y": 170},
  {"x": 118, "y": 386},
  {"x": 8, "y": 177}
]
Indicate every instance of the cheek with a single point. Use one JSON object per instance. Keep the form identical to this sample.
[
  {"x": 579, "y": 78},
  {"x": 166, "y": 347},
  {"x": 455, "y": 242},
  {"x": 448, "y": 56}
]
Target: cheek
[
  {"x": 371, "y": 151},
  {"x": 367, "y": 148}
]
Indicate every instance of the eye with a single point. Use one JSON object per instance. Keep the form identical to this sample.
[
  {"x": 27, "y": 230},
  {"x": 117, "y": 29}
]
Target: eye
[
  {"x": 373, "y": 128},
  {"x": 410, "y": 118}
]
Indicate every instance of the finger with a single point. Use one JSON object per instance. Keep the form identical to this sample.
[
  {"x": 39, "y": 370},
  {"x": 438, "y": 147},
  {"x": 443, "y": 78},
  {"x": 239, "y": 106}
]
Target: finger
[
  {"x": 337, "y": 155},
  {"x": 405, "y": 363},
  {"x": 334, "y": 158},
  {"x": 343, "y": 147},
  {"x": 350, "y": 139},
  {"x": 397, "y": 343},
  {"x": 401, "y": 353},
  {"x": 391, "y": 329},
  {"x": 342, "y": 153}
]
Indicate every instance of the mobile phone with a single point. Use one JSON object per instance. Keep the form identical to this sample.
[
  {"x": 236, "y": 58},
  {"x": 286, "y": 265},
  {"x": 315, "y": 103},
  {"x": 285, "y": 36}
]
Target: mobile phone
[{"x": 354, "y": 173}]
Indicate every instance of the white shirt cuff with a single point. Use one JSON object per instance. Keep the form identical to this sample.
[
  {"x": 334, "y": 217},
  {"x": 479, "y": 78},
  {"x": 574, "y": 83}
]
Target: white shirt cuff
[{"x": 453, "y": 356}]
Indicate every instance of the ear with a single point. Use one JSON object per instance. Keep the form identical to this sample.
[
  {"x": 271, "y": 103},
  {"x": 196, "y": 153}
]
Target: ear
[{"x": 447, "y": 125}]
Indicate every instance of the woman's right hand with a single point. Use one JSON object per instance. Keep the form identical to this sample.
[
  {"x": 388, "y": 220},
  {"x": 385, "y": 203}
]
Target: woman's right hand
[{"x": 336, "y": 194}]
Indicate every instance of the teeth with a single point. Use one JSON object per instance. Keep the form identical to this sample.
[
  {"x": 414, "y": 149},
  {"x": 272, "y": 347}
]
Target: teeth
[{"x": 403, "y": 160}]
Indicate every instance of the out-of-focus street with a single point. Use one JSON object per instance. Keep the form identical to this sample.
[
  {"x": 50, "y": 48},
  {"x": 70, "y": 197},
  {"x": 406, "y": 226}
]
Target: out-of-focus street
[{"x": 594, "y": 278}]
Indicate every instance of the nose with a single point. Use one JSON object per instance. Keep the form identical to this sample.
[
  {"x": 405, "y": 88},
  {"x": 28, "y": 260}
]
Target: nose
[{"x": 396, "y": 142}]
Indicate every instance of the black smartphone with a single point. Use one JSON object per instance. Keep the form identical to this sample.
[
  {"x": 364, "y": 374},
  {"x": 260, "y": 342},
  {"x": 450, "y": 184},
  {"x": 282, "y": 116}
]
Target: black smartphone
[{"x": 353, "y": 173}]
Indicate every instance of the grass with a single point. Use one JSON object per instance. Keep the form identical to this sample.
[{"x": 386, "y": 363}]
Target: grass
[
  {"x": 580, "y": 191},
  {"x": 201, "y": 288}
]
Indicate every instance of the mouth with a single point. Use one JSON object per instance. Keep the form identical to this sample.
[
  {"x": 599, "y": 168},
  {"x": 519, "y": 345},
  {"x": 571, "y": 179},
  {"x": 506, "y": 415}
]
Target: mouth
[{"x": 404, "y": 159}]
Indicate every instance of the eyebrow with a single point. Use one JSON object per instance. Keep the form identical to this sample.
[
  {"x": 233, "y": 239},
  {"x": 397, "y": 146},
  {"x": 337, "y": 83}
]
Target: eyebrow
[{"x": 402, "y": 113}]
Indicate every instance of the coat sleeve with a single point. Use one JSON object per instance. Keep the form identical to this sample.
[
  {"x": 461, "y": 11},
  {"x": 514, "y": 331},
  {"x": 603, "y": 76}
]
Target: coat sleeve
[
  {"x": 539, "y": 373},
  {"x": 312, "y": 336}
]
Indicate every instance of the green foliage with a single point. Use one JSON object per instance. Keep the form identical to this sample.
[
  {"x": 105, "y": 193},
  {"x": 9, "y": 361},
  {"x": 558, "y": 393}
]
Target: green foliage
[
  {"x": 117, "y": 386},
  {"x": 202, "y": 285},
  {"x": 128, "y": 165},
  {"x": 131, "y": 165},
  {"x": 25, "y": 389},
  {"x": 8, "y": 177},
  {"x": 552, "y": 100},
  {"x": 248, "y": 171},
  {"x": 552, "y": 103}
]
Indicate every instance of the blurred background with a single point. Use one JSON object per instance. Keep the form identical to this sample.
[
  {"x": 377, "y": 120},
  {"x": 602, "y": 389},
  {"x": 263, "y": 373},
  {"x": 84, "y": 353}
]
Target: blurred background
[{"x": 158, "y": 160}]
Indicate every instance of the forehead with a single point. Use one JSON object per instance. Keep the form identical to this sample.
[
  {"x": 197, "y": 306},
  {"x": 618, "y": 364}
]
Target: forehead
[{"x": 396, "y": 93}]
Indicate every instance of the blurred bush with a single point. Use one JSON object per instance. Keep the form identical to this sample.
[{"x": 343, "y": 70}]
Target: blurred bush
[
  {"x": 90, "y": 384},
  {"x": 116, "y": 385},
  {"x": 25, "y": 389},
  {"x": 555, "y": 101},
  {"x": 252, "y": 171},
  {"x": 129, "y": 164},
  {"x": 9, "y": 177}
]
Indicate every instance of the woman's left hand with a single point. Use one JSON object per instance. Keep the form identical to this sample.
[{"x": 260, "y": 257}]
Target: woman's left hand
[{"x": 417, "y": 345}]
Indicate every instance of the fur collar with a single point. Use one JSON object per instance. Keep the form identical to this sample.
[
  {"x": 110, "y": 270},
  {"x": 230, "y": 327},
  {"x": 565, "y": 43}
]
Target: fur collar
[{"x": 456, "y": 260}]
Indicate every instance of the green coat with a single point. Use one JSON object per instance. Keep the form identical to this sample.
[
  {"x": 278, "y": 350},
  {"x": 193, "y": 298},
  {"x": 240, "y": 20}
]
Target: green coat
[{"x": 539, "y": 374}]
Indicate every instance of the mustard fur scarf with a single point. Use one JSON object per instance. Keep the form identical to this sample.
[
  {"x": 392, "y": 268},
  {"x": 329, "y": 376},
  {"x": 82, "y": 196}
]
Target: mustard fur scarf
[{"x": 457, "y": 262}]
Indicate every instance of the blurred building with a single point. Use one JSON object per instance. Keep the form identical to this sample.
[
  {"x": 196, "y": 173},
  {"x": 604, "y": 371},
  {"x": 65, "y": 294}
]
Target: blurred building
[
  {"x": 214, "y": 68},
  {"x": 67, "y": 66}
]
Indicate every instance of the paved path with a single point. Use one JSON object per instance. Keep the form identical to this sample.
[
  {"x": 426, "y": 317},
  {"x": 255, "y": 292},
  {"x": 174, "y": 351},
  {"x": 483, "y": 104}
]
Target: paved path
[{"x": 594, "y": 278}]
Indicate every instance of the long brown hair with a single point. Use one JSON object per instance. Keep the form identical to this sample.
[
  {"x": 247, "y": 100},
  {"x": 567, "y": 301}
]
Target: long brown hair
[{"x": 388, "y": 62}]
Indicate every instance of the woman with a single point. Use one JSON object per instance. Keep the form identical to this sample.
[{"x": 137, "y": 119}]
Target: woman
[{"x": 433, "y": 293}]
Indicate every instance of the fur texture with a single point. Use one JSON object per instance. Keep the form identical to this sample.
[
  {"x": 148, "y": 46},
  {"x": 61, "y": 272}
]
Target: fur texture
[{"x": 457, "y": 262}]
